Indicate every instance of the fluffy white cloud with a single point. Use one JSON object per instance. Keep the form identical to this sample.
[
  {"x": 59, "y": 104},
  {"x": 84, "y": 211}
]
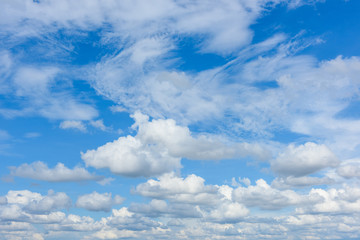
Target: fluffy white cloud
[
  {"x": 228, "y": 212},
  {"x": 60, "y": 173},
  {"x": 158, "y": 147},
  {"x": 98, "y": 202},
  {"x": 30, "y": 206},
  {"x": 128, "y": 156},
  {"x": 340, "y": 201},
  {"x": 123, "y": 219},
  {"x": 185, "y": 190},
  {"x": 189, "y": 198},
  {"x": 262, "y": 195},
  {"x": 303, "y": 160},
  {"x": 33, "y": 87}
]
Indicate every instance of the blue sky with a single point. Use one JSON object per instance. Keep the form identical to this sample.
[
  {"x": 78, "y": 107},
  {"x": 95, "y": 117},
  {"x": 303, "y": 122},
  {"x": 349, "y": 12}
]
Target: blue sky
[{"x": 165, "y": 119}]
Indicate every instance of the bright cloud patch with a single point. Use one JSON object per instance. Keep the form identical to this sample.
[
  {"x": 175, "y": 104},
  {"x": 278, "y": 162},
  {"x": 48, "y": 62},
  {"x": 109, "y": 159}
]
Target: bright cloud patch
[
  {"x": 303, "y": 160},
  {"x": 60, "y": 173},
  {"x": 158, "y": 147},
  {"x": 98, "y": 202}
]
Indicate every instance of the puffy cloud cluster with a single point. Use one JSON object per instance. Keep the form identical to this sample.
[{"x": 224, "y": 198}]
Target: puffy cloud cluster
[
  {"x": 229, "y": 213},
  {"x": 264, "y": 196},
  {"x": 303, "y": 160},
  {"x": 26, "y": 206},
  {"x": 98, "y": 202},
  {"x": 189, "y": 198},
  {"x": 158, "y": 147}
]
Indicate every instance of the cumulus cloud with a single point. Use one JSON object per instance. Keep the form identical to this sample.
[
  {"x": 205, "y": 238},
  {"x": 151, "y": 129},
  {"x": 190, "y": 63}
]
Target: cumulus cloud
[
  {"x": 303, "y": 160},
  {"x": 60, "y": 173},
  {"x": 228, "y": 212},
  {"x": 158, "y": 147},
  {"x": 340, "y": 201},
  {"x": 98, "y": 202},
  {"x": 262, "y": 195},
  {"x": 30, "y": 206},
  {"x": 185, "y": 190},
  {"x": 189, "y": 198}
]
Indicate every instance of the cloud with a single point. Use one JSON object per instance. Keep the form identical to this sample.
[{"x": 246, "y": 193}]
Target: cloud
[
  {"x": 303, "y": 160},
  {"x": 306, "y": 95},
  {"x": 188, "y": 198},
  {"x": 99, "y": 124},
  {"x": 98, "y": 202},
  {"x": 106, "y": 181},
  {"x": 300, "y": 182},
  {"x": 211, "y": 20},
  {"x": 79, "y": 125},
  {"x": 184, "y": 190},
  {"x": 158, "y": 147},
  {"x": 123, "y": 219},
  {"x": 349, "y": 168},
  {"x": 41, "y": 90},
  {"x": 265, "y": 197},
  {"x": 339, "y": 201},
  {"x": 116, "y": 109},
  {"x": 22, "y": 204},
  {"x": 228, "y": 212},
  {"x": 60, "y": 173},
  {"x": 128, "y": 156}
]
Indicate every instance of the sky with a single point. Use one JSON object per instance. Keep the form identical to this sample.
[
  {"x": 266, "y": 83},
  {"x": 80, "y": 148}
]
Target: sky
[{"x": 179, "y": 119}]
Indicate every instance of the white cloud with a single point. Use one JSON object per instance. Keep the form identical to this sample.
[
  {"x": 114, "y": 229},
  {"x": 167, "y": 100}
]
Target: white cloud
[
  {"x": 106, "y": 181},
  {"x": 79, "y": 125},
  {"x": 229, "y": 212},
  {"x": 158, "y": 147},
  {"x": 303, "y": 160},
  {"x": 262, "y": 195},
  {"x": 349, "y": 168},
  {"x": 22, "y": 204},
  {"x": 300, "y": 182},
  {"x": 184, "y": 190},
  {"x": 128, "y": 156},
  {"x": 98, "y": 202},
  {"x": 42, "y": 91},
  {"x": 60, "y": 173},
  {"x": 340, "y": 201},
  {"x": 123, "y": 219},
  {"x": 99, "y": 124}
]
